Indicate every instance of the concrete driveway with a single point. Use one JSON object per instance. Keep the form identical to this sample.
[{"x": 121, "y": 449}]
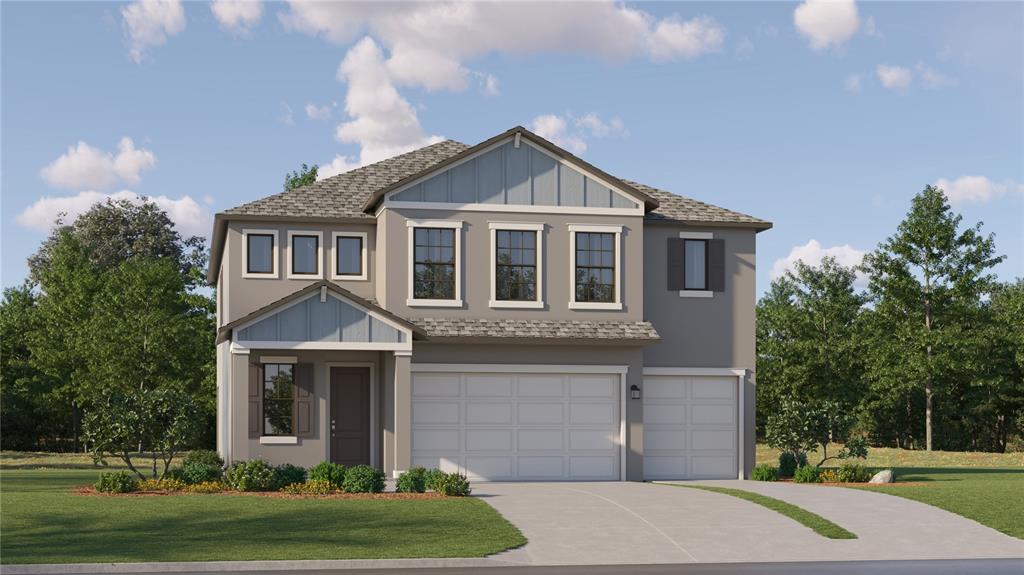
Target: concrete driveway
[{"x": 635, "y": 523}]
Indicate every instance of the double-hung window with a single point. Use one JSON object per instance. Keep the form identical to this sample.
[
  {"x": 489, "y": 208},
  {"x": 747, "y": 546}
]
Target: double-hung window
[
  {"x": 278, "y": 399},
  {"x": 695, "y": 264},
  {"x": 435, "y": 276},
  {"x": 596, "y": 267},
  {"x": 259, "y": 253},
  {"x": 516, "y": 262},
  {"x": 304, "y": 259},
  {"x": 350, "y": 256}
]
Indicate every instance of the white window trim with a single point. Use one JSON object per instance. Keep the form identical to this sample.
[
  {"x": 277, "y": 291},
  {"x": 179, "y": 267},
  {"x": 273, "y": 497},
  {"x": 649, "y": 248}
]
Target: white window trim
[
  {"x": 334, "y": 257},
  {"x": 273, "y": 254},
  {"x": 603, "y": 229},
  {"x": 696, "y": 293},
  {"x": 319, "y": 255},
  {"x": 456, "y": 225},
  {"x": 538, "y": 229},
  {"x": 279, "y": 440}
]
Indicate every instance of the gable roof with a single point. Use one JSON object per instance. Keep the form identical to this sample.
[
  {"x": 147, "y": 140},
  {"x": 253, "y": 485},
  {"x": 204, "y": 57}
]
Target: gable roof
[
  {"x": 224, "y": 333},
  {"x": 352, "y": 196}
]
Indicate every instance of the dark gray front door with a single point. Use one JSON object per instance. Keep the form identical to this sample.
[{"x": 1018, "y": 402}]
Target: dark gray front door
[{"x": 350, "y": 415}]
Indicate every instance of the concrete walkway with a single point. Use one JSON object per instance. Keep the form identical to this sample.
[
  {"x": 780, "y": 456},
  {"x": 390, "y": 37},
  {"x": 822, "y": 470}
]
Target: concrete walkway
[{"x": 636, "y": 523}]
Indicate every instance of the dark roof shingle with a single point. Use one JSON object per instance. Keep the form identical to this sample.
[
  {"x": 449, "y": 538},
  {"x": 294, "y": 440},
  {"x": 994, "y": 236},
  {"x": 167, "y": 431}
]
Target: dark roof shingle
[{"x": 538, "y": 329}]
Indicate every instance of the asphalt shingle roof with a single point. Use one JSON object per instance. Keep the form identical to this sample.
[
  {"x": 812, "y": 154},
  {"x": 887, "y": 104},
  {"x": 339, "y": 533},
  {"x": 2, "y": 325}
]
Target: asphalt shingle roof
[
  {"x": 537, "y": 329},
  {"x": 343, "y": 196}
]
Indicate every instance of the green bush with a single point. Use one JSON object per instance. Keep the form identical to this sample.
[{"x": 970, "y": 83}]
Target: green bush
[
  {"x": 788, "y": 462},
  {"x": 765, "y": 472},
  {"x": 453, "y": 485},
  {"x": 412, "y": 481},
  {"x": 807, "y": 474},
  {"x": 432, "y": 477},
  {"x": 205, "y": 456},
  {"x": 853, "y": 473},
  {"x": 116, "y": 482},
  {"x": 252, "y": 475},
  {"x": 286, "y": 474},
  {"x": 363, "y": 479},
  {"x": 312, "y": 487},
  {"x": 333, "y": 473}
]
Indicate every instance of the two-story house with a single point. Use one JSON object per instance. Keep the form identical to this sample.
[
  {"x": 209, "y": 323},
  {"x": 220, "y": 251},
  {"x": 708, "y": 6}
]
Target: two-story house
[{"x": 504, "y": 309}]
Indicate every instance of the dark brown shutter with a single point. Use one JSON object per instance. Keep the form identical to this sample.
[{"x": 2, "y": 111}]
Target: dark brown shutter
[
  {"x": 255, "y": 399},
  {"x": 716, "y": 265},
  {"x": 675, "y": 264},
  {"x": 304, "y": 400}
]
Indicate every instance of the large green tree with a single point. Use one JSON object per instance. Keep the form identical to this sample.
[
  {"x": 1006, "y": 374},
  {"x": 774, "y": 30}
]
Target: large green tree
[
  {"x": 808, "y": 347},
  {"x": 926, "y": 325}
]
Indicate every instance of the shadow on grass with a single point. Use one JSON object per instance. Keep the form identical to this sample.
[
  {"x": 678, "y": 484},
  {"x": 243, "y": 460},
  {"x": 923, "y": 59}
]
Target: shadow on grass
[{"x": 927, "y": 474}]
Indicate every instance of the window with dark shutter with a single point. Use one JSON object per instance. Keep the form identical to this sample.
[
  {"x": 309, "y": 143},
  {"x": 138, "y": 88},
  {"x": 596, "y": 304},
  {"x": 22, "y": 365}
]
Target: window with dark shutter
[
  {"x": 716, "y": 265},
  {"x": 255, "y": 395},
  {"x": 675, "y": 264},
  {"x": 304, "y": 400}
]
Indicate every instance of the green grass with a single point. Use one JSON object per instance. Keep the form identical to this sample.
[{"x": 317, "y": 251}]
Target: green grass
[
  {"x": 44, "y": 460},
  {"x": 815, "y": 522},
  {"x": 43, "y": 522},
  {"x": 985, "y": 487},
  {"x": 992, "y": 497}
]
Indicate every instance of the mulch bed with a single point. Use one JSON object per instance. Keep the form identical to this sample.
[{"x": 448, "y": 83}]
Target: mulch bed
[
  {"x": 865, "y": 484},
  {"x": 90, "y": 491}
]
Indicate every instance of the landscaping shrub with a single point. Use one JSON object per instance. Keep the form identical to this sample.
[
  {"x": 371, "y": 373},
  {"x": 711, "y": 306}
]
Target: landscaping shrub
[
  {"x": 311, "y": 487},
  {"x": 765, "y": 472},
  {"x": 829, "y": 476},
  {"x": 807, "y": 474},
  {"x": 431, "y": 478},
  {"x": 286, "y": 474},
  {"x": 164, "y": 484},
  {"x": 412, "y": 481},
  {"x": 333, "y": 473},
  {"x": 788, "y": 462},
  {"x": 252, "y": 475},
  {"x": 205, "y": 487},
  {"x": 116, "y": 482},
  {"x": 853, "y": 473},
  {"x": 200, "y": 466},
  {"x": 363, "y": 479},
  {"x": 453, "y": 485}
]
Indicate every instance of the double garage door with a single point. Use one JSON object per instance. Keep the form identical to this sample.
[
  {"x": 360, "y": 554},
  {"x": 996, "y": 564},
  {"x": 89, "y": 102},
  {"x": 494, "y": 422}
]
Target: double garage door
[
  {"x": 690, "y": 427},
  {"x": 526, "y": 426}
]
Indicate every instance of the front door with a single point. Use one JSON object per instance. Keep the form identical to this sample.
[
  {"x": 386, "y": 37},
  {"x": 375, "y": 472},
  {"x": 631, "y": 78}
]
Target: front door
[{"x": 350, "y": 415}]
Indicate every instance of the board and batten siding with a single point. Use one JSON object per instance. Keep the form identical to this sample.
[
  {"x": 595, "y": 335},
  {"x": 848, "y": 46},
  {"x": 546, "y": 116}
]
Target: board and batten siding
[
  {"x": 515, "y": 176},
  {"x": 315, "y": 320}
]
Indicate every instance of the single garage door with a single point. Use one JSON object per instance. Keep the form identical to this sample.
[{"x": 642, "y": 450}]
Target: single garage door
[
  {"x": 690, "y": 429},
  {"x": 496, "y": 426}
]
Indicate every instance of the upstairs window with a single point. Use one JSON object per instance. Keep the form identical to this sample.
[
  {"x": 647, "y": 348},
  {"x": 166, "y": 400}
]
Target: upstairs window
[
  {"x": 434, "y": 264},
  {"x": 350, "y": 255},
  {"x": 304, "y": 250},
  {"x": 515, "y": 265},
  {"x": 695, "y": 264},
  {"x": 259, "y": 253},
  {"x": 595, "y": 267},
  {"x": 278, "y": 399}
]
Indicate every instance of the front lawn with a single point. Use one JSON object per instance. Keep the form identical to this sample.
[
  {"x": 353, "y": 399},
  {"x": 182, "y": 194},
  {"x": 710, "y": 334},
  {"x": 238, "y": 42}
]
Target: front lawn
[
  {"x": 43, "y": 522},
  {"x": 985, "y": 487}
]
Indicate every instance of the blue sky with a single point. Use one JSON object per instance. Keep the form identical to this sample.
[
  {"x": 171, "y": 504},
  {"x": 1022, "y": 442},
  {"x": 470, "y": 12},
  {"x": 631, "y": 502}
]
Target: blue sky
[{"x": 825, "y": 119}]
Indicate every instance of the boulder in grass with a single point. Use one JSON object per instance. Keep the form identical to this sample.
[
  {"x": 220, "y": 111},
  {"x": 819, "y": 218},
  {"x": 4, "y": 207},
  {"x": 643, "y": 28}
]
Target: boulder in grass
[{"x": 883, "y": 476}]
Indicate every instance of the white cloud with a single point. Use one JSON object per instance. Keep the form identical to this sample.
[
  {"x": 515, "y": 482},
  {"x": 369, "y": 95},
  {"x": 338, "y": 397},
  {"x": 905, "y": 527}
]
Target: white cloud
[
  {"x": 554, "y": 128},
  {"x": 84, "y": 166},
  {"x": 314, "y": 112},
  {"x": 827, "y": 23},
  {"x": 237, "y": 16},
  {"x": 932, "y": 79},
  {"x": 853, "y": 83},
  {"x": 429, "y": 46},
  {"x": 383, "y": 123},
  {"x": 812, "y": 253},
  {"x": 869, "y": 28},
  {"x": 339, "y": 165},
  {"x": 976, "y": 189},
  {"x": 190, "y": 219},
  {"x": 894, "y": 77},
  {"x": 150, "y": 23},
  {"x": 744, "y": 49}
]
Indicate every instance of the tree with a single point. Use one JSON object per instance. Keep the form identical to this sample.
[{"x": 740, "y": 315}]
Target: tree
[
  {"x": 926, "y": 285},
  {"x": 305, "y": 176},
  {"x": 800, "y": 428},
  {"x": 995, "y": 397},
  {"x": 162, "y": 421},
  {"x": 808, "y": 346}
]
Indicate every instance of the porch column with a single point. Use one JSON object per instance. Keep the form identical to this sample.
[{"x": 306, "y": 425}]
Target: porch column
[
  {"x": 238, "y": 411},
  {"x": 403, "y": 412}
]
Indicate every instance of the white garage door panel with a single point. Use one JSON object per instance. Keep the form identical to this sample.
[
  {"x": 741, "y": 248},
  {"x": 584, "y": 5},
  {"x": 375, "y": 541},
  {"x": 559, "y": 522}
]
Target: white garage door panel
[
  {"x": 690, "y": 427},
  {"x": 512, "y": 426}
]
